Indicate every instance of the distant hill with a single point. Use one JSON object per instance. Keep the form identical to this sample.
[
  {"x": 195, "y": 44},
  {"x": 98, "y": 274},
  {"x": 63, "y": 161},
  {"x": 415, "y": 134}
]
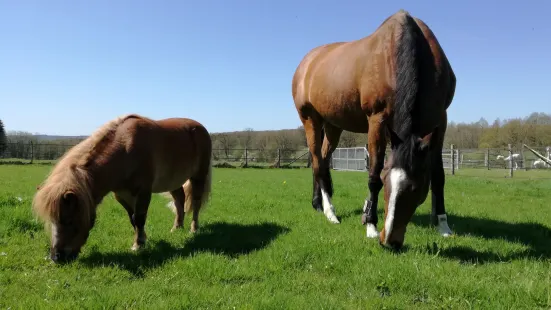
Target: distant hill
[{"x": 53, "y": 138}]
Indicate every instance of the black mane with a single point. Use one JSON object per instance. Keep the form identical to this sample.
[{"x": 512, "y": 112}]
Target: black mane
[
  {"x": 410, "y": 156},
  {"x": 413, "y": 58}
]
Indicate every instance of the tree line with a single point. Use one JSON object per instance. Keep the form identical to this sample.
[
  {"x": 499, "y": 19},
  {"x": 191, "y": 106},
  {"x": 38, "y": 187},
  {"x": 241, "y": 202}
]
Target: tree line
[{"x": 533, "y": 130}]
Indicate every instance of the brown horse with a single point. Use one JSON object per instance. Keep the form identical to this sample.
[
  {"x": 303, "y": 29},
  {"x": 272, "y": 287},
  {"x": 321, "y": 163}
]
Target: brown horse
[
  {"x": 132, "y": 156},
  {"x": 395, "y": 83}
]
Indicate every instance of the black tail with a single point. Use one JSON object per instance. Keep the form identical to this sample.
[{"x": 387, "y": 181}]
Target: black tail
[{"x": 407, "y": 77}]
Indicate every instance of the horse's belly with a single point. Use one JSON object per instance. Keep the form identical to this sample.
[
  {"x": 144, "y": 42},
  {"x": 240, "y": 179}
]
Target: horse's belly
[
  {"x": 349, "y": 121},
  {"x": 348, "y": 116}
]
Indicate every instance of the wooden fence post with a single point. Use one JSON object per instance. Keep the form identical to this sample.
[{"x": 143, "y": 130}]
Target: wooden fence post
[
  {"x": 488, "y": 158},
  {"x": 279, "y": 158},
  {"x": 522, "y": 158},
  {"x": 246, "y": 157},
  {"x": 459, "y": 159},
  {"x": 32, "y": 152},
  {"x": 453, "y": 159},
  {"x": 510, "y": 161}
]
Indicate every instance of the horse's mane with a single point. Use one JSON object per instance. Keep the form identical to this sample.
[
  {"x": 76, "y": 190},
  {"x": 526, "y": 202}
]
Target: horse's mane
[
  {"x": 406, "y": 107},
  {"x": 71, "y": 174},
  {"x": 407, "y": 77},
  {"x": 411, "y": 156}
]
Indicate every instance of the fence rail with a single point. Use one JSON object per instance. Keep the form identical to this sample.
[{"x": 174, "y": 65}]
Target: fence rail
[{"x": 509, "y": 159}]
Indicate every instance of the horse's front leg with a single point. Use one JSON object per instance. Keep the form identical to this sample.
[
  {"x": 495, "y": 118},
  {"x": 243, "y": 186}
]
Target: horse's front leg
[
  {"x": 376, "y": 144},
  {"x": 140, "y": 214},
  {"x": 438, "y": 180}
]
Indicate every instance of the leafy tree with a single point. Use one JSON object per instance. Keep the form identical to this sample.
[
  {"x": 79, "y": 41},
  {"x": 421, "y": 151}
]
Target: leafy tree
[{"x": 3, "y": 138}]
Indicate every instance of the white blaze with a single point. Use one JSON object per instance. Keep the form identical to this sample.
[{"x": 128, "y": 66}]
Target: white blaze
[{"x": 397, "y": 178}]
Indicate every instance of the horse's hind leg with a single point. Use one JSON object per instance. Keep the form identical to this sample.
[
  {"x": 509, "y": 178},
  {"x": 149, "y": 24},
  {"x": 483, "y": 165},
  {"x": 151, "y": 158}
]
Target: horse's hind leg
[
  {"x": 376, "y": 141},
  {"x": 330, "y": 143},
  {"x": 178, "y": 197},
  {"x": 321, "y": 179}
]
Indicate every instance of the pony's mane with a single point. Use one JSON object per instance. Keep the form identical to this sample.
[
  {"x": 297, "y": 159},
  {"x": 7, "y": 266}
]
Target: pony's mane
[
  {"x": 70, "y": 173},
  {"x": 96, "y": 143}
]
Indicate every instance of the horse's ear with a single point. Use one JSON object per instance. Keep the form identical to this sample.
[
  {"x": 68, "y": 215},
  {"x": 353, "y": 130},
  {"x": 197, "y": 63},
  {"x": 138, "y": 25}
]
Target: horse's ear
[
  {"x": 427, "y": 140},
  {"x": 394, "y": 139}
]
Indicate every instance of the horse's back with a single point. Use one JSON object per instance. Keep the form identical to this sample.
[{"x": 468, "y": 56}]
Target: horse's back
[
  {"x": 341, "y": 80},
  {"x": 345, "y": 81}
]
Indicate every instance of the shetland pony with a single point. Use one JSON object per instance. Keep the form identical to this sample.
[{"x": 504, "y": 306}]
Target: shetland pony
[
  {"x": 395, "y": 83},
  {"x": 132, "y": 156}
]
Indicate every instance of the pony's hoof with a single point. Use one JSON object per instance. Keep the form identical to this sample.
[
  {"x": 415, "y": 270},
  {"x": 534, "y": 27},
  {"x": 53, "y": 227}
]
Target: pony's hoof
[
  {"x": 371, "y": 231},
  {"x": 136, "y": 247},
  {"x": 175, "y": 228}
]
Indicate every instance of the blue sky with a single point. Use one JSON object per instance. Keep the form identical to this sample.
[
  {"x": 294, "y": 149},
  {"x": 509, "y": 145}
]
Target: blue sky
[{"x": 66, "y": 67}]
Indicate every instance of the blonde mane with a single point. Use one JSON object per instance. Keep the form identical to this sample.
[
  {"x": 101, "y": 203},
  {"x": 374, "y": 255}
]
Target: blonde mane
[{"x": 70, "y": 174}]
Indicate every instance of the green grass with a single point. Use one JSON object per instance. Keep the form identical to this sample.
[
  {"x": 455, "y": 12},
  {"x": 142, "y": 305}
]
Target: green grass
[{"x": 261, "y": 246}]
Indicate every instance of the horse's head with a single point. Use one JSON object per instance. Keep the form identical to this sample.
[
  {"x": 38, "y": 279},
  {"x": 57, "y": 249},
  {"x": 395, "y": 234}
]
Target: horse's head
[
  {"x": 67, "y": 205},
  {"x": 406, "y": 178}
]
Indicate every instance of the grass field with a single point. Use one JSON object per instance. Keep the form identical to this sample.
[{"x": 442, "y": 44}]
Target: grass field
[{"x": 261, "y": 246}]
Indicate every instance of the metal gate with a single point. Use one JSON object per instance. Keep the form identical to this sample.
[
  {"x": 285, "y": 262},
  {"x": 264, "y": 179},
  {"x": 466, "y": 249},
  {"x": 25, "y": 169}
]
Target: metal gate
[
  {"x": 351, "y": 158},
  {"x": 357, "y": 159}
]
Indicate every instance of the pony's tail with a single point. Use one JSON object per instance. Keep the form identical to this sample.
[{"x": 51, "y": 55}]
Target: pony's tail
[
  {"x": 199, "y": 188},
  {"x": 407, "y": 73}
]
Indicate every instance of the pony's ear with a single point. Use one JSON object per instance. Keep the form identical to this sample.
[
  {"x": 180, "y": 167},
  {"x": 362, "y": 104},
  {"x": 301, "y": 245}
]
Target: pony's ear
[
  {"x": 394, "y": 139},
  {"x": 70, "y": 199},
  {"x": 426, "y": 141}
]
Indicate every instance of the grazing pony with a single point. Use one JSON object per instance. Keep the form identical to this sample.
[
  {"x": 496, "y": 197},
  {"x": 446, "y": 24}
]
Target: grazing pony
[
  {"x": 395, "y": 83},
  {"x": 132, "y": 156}
]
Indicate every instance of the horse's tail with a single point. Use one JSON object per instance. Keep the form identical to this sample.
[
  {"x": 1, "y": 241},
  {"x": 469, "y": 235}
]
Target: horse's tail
[{"x": 407, "y": 73}]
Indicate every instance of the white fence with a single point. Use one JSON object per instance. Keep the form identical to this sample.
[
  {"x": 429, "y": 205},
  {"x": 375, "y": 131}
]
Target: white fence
[{"x": 357, "y": 159}]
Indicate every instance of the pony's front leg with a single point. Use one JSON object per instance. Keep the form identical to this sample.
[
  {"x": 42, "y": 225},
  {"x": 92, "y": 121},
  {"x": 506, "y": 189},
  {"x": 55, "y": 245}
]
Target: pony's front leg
[
  {"x": 140, "y": 214},
  {"x": 376, "y": 141}
]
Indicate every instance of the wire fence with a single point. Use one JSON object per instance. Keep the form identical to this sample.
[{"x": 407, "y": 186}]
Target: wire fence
[
  {"x": 48, "y": 153},
  {"x": 503, "y": 162}
]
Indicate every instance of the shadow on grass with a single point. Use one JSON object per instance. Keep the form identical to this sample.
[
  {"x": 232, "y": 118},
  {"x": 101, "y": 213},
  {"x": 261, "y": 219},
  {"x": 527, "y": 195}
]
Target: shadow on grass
[
  {"x": 231, "y": 240},
  {"x": 535, "y": 236}
]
